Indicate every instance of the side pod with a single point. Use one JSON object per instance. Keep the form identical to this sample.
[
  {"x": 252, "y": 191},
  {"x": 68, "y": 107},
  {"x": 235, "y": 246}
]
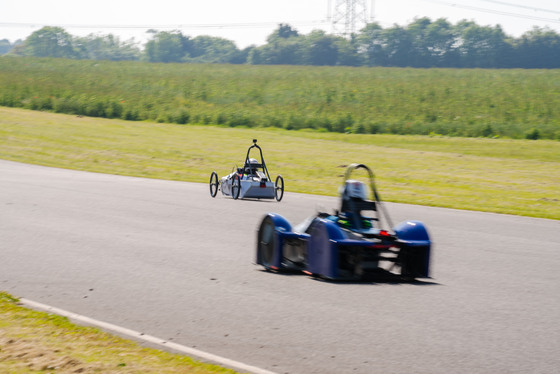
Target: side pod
[
  {"x": 323, "y": 253},
  {"x": 415, "y": 248}
]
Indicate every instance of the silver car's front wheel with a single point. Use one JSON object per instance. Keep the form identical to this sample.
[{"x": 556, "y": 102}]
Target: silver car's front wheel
[
  {"x": 235, "y": 186},
  {"x": 279, "y": 188}
]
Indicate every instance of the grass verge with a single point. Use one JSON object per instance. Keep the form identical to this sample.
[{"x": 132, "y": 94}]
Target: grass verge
[
  {"x": 38, "y": 342},
  {"x": 519, "y": 177}
]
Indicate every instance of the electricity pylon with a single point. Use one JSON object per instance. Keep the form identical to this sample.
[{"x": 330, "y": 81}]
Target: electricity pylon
[{"x": 349, "y": 16}]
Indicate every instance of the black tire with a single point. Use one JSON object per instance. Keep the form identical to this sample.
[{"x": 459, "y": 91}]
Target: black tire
[
  {"x": 214, "y": 184},
  {"x": 266, "y": 245},
  {"x": 414, "y": 262},
  {"x": 279, "y": 188},
  {"x": 235, "y": 186}
]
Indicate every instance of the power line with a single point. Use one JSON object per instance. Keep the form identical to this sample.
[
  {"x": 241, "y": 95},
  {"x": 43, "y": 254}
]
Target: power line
[
  {"x": 522, "y": 6},
  {"x": 168, "y": 27},
  {"x": 492, "y": 11}
]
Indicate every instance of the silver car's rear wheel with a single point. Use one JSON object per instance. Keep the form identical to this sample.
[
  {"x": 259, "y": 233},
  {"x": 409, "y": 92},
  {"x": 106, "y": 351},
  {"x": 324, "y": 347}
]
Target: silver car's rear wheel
[{"x": 214, "y": 184}]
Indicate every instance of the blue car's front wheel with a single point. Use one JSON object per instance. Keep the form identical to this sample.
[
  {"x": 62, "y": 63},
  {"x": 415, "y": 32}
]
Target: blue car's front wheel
[{"x": 267, "y": 250}]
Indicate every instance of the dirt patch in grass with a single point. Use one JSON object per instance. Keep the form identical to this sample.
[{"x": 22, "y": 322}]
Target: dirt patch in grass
[{"x": 21, "y": 354}]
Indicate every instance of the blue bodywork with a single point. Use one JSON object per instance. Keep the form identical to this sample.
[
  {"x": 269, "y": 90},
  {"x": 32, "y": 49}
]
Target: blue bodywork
[{"x": 347, "y": 244}]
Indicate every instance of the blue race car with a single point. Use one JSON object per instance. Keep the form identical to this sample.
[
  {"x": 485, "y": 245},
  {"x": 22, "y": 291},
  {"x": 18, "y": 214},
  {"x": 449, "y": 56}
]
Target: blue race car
[{"x": 357, "y": 242}]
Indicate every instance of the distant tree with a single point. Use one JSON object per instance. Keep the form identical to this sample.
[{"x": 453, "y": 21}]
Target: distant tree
[
  {"x": 320, "y": 49},
  {"x": 371, "y": 44},
  {"x": 349, "y": 52},
  {"x": 482, "y": 46},
  {"x": 422, "y": 43},
  {"x": 5, "y": 46},
  {"x": 284, "y": 31},
  {"x": 242, "y": 56},
  {"x": 398, "y": 47},
  {"x": 433, "y": 43},
  {"x": 106, "y": 47},
  {"x": 285, "y": 47},
  {"x": 212, "y": 49},
  {"x": 420, "y": 53},
  {"x": 281, "y": 52},
  {"x": 17, "y": 48},
  {"x": 167, "y": 46},
  {"x": 539, "y": 48},
  {"x": 441, "y": 44},
  {"x": 49, "y": 42}
]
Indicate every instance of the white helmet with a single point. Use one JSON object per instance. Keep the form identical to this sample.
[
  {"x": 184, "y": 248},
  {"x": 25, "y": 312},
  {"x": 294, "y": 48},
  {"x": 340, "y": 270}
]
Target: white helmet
[{"x": 355, "y": 189}]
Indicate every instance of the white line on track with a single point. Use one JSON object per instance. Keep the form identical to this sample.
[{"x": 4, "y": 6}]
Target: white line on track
[{"x": 165, "y": 345}]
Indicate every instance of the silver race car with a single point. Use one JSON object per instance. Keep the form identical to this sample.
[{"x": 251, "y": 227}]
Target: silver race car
[{"x": 251, "y": 181}]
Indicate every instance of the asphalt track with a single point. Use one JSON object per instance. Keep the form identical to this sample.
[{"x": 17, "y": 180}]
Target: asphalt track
[{"x": 165, "y": 259}]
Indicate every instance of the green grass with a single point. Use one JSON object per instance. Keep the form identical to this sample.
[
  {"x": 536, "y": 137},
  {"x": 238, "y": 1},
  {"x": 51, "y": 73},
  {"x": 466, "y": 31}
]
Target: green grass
[
  {"x": 38, "y": 342},
  {"x": 519, "y": 177},
  {"x": 510, "y": 103}
]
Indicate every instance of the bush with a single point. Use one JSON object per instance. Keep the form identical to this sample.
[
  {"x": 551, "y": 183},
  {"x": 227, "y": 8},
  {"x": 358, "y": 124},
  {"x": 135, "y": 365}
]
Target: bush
[
  {"x": 45, "y": 103},
  {"x": 239, "y": 119},
  {"x": 343, "y": 124},
  {"x": 182, "y": 117},
  {"x": 295, "y": 122},
  {"x": 68, "y": 105},
  {"x": 533, "y": 134},
  {"x": 131, "y": 115},
  {"x": 114, "y": 110},
  {"x": 487, "y": 131},
  {"x": 9, "y": 100},
  {"x": 94, "y": 109}
]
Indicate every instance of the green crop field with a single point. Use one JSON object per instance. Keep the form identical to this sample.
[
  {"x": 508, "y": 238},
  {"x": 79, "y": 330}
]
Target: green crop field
[
  {"x": 496, "y": 175},
  {"x": 511, "y": 103}
]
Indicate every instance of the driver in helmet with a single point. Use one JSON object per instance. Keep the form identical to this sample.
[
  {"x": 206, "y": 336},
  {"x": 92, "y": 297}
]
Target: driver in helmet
[{"x": 251, "y": 167}]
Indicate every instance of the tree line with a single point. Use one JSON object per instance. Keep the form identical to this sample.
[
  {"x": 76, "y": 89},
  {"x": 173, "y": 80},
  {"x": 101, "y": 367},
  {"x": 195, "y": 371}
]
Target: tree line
[{"x": 422, "y": 43}]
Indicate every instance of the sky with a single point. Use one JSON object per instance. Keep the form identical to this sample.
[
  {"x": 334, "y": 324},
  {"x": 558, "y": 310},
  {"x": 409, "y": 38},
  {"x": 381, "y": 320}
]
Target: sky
[{"x": 249, "y": 22}]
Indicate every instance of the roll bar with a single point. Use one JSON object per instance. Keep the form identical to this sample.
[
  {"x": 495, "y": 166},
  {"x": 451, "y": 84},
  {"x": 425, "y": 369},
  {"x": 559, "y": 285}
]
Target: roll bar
[
  {"x": 377, "y": 199},
  {"x": 252, "y": 166}
]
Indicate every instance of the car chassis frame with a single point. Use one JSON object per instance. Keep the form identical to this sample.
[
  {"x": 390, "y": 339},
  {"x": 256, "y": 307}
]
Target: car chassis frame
[
  {"x": 346, "y": 245},
  {"x": 251, "y": 181}
]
